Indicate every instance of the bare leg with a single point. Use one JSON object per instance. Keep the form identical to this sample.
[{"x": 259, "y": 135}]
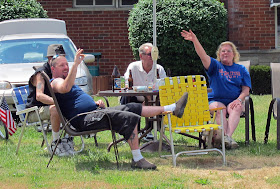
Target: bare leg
[
  {"x": 55, "y": 120},
  {"x": 218, "y": 118},
  {"x": 133, "y": 140},
  {"x": 150, "y": 111},
  {"x": 233, "y": 119}
]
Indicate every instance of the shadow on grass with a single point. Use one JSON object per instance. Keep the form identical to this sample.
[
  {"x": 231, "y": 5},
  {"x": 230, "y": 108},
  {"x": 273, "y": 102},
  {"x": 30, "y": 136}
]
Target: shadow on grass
[
  {"x": 94, "y": 159},
  {"x": 254, "y": 156}
]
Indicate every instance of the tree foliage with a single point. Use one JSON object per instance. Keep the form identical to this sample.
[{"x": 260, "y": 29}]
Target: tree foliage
[
  {"x": 206, "y": 18},
  {"x": 13, "y": 9}
]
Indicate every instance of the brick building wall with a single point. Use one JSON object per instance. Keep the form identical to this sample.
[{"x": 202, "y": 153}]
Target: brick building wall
[{"x": 251, "y": 24}]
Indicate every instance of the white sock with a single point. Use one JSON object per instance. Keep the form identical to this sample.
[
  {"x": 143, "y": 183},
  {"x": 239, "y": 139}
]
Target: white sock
[
  {"x": 136, "y": 155},
  {"x": 170, "y": 107},
  {"x": 55, "y": 135}
]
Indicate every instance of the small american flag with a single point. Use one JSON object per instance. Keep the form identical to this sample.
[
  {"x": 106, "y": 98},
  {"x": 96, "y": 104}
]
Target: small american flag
[{"x": 6, "y": 117}]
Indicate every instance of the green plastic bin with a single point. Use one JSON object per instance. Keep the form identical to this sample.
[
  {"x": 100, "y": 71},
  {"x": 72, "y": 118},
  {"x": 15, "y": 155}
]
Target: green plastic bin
[{"x": 94, "y": 70}]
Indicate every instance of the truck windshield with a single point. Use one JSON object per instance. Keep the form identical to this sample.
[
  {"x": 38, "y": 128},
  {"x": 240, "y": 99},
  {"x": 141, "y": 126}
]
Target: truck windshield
[{"x": 32, "y": 50}]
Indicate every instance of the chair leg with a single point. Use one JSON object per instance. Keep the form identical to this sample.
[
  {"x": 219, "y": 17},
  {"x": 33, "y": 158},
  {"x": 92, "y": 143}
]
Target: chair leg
[
  {"x": 52, "y": 153},
  {"x": 252, "y": 119},
  {"x": 44, "y": 132},
  {"x": 160, "y": 138},
  {"x": 21, "y": 134},
  {"x": 115, "y": 147},
  {"x": 223, "y": 140},
  {"x": 278, "y": 123},
  {"x": 43, "y": 142},
  {"x": 95, "y": 140},
  {"x": 113, "y": 143},
  {"x": 114, "y": 140},
  {"x": 171, "y": 141},
  {"x": 247, "y": 140},
  {"x": 268, "y": 120},
  {"x": 83, "y": 145}
]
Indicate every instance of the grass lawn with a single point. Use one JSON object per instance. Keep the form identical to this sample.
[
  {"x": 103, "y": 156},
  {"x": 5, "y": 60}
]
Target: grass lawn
[{"x": 253, "y": 166}]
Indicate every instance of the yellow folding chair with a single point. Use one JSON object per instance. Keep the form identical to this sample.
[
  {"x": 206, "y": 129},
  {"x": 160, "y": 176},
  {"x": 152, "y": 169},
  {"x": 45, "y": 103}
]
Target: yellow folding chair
[{"x": 196, "y": 116}]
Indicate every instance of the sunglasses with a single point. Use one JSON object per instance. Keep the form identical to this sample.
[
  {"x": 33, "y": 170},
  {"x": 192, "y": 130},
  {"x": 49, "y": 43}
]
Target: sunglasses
[
  {"x": 149, "y": 54},
  {"x": 55, "y": 56}
]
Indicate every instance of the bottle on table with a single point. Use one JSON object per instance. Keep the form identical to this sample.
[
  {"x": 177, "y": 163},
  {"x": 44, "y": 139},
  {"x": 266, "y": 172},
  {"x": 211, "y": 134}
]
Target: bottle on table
[
  {"x": 130, "y": 80},
  {"x": 168, "y": 72},
  {"x": 116, "y": 82}
]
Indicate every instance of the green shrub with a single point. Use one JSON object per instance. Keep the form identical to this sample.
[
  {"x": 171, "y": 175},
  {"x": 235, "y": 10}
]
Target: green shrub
[
  {"x": 13, "y": 9},
  {"x": 261, "y": 79},
  {"x": 206, "y": 18}
]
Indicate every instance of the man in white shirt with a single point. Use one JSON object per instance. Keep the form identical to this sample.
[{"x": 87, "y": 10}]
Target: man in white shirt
[
  {"x": 142, "y": 71},
  {"x": 142, "y": 74}
]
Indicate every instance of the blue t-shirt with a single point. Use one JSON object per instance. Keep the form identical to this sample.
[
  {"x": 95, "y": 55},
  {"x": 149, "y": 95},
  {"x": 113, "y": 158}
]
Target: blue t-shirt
[
  {"x": 226, "y": 81},
  {"x": 74, "y": 102}
]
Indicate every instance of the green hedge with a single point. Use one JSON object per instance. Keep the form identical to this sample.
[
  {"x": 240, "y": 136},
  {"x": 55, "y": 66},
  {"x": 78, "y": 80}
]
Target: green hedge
[
  {"x": 13, "y": 9},
  {"x": 261, "y": 79},
  {"x": 206, "y": 18}
]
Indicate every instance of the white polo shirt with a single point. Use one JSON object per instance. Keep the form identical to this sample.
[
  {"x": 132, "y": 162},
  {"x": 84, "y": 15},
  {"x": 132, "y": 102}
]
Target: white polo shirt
[{"x": 140, "y": 76}]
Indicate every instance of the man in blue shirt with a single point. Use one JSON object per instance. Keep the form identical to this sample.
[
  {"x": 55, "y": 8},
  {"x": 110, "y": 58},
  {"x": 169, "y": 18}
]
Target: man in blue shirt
[{"x": 72, "y": 101}]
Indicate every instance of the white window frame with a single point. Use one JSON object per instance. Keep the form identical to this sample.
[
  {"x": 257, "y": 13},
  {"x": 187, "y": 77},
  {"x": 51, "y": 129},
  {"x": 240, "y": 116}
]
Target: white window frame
[{"x": 116, "y": 4}]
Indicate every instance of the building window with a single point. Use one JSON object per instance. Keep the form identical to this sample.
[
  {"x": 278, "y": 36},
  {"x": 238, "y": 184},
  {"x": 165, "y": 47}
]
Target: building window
[
  {"x": 104, "y": 3},
  {"x": 128, "y": 2}
]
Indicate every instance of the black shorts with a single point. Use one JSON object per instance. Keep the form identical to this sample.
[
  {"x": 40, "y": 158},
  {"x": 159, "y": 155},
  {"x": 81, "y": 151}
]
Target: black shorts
[{"x": 123, "y": 118}]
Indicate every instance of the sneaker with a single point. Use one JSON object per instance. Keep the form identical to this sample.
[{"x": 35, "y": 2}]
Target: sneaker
[
  {"x": 227, "y": 140},
  {"x": 150, "y": 136},
  {"x": 234, "y": 144},
  {"x": 60, "y": 151},
  {"x": 142, "y": 164},
  {"x": 180, "y": 105},
  {"x": 47, "y": 128},
  {"x": 68, "y": 144}
]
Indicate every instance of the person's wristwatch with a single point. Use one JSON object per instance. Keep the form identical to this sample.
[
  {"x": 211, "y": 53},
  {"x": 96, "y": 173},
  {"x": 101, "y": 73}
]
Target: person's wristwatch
[{"x": 240, "y": 100}]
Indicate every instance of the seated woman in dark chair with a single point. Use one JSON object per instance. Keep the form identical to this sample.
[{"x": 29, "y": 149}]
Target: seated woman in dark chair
[{"x": 230, "y": 83}]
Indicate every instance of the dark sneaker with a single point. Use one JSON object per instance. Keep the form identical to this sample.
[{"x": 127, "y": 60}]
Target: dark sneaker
[
  {"x": 217, "y": 144},
  {"x": 59, "y": 151},
  {"x": 180, "y": 105},
  {"x": 142, "y": 164}
]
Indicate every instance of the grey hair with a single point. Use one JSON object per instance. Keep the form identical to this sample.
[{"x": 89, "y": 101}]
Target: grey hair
[{"x": 142, "y": 47}]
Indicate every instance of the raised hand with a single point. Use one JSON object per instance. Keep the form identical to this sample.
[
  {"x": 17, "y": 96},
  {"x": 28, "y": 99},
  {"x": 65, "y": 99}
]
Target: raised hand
[
  {"x": 188, "y": 35},
  {"x": 79, "y": 57}
]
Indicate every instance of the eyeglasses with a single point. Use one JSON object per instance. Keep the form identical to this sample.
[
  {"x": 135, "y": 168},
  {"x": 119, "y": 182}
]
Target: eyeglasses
[
  {"x": 148, "y": 54},
  {"x": 56, "y": 56},
  {"x": 228, "y": 51}
]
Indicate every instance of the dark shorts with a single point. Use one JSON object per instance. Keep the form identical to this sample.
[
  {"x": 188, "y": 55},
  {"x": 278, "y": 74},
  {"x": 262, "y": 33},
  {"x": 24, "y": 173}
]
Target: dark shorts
[{"x": 123, "y": 118}]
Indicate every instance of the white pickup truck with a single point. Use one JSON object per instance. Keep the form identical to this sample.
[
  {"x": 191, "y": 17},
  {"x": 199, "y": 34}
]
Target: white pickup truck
[{"x": 24, "y": 43}]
